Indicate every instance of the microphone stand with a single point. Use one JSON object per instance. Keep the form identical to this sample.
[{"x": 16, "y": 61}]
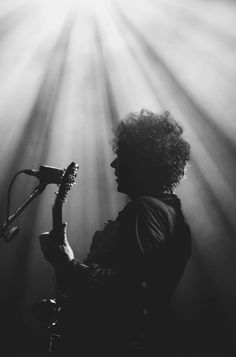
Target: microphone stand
[{"x": 15, "y": 230}]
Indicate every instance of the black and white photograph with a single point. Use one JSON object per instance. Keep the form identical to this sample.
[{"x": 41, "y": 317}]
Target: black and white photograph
[{"x": 118, "y": 178}]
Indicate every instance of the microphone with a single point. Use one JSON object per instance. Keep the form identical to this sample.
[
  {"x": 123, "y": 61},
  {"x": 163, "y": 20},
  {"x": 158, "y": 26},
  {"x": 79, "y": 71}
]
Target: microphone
[{"x": 46, "y": 174}]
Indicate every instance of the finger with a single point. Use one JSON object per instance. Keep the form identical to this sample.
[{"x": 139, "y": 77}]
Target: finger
[
  {"x": 44, "y": 234},
  {"x": 59, "y": 233},
  {"x": 45, "y": 240},
  {"x": 61, "y": 229},
  {"x": 64, "y": 225}
]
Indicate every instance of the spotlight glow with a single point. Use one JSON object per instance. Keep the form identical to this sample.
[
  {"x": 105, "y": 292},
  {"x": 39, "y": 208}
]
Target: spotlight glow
[{"x": 70, "y": 69}]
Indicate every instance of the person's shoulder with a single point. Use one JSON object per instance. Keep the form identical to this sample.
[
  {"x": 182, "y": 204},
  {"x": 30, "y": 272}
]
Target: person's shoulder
[
  {"x": 156, "y": 207},
  {"x": 153, "y": 205},
  {"x": 150, "y": 202}
]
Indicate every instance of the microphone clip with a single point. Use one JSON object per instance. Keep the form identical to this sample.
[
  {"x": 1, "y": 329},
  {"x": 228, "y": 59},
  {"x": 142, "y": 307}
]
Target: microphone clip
[{"x": 47, "y": 174}]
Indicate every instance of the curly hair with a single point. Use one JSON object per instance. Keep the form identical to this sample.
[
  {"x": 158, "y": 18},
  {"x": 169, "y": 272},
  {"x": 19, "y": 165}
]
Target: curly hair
[{"x": 154, "y": 140}]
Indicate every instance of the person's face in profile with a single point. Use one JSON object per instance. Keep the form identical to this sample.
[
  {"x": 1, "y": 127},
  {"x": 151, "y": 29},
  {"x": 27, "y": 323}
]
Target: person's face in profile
[
  {"x": 134, "y": 177},
  {"x": 122, "y": 175},
  {"x": 127, "y": 176}
]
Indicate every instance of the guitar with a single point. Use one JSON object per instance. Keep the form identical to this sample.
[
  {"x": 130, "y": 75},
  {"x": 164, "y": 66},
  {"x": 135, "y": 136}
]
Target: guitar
[
  {"x": 66, "y": 183},
  {"x": 47, "y": 311}
]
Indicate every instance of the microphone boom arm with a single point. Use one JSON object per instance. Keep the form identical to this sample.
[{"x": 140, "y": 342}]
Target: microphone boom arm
[{"x": 13, "y": 232}]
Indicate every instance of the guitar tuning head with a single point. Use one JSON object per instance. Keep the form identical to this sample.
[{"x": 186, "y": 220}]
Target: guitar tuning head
[{"x": 67, "y": 181}]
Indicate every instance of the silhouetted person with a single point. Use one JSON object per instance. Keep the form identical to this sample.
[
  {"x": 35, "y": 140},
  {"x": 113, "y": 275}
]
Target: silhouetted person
[{"x": 115, "y": 302}]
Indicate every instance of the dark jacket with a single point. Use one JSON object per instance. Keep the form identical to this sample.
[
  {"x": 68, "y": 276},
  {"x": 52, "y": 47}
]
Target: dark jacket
[{"x": 118, "y": 298}]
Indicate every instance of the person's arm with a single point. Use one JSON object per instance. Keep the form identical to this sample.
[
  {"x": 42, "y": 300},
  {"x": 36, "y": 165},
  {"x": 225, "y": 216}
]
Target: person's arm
[
  {"x": 72, "y": 275},
  {"x": 146, "y": 234}
]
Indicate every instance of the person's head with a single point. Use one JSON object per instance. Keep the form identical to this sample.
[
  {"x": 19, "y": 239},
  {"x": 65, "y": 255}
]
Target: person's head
[{"x": 151, "y": 153}]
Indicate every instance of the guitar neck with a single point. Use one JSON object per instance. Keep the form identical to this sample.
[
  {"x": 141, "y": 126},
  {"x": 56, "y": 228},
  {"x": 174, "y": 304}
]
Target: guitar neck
[
  {"x": 57, "y": 217},
  {"x": 67, "y": 181}
]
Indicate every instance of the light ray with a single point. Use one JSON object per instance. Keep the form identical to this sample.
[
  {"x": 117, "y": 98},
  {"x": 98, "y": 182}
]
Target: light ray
[{"x": 70, "y": 70}]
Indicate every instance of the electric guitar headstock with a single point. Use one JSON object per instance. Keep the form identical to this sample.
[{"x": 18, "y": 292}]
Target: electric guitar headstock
[{"x": 66, "y": 183}]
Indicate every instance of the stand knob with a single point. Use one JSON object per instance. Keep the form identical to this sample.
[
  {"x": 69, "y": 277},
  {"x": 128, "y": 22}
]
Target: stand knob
[{"x": 11, "y": 234}]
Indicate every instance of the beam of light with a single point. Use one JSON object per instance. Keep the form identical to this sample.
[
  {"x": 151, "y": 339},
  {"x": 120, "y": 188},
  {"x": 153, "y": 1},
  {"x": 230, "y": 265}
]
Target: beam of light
[
  {"x": 214, "y": 175},
  {"x": 70, "y": 69}
]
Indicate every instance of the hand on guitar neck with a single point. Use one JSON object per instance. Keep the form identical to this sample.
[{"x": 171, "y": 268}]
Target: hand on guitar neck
[
  {"x": 56, "y": 248},
  {"x": 54, "y": 245}
]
